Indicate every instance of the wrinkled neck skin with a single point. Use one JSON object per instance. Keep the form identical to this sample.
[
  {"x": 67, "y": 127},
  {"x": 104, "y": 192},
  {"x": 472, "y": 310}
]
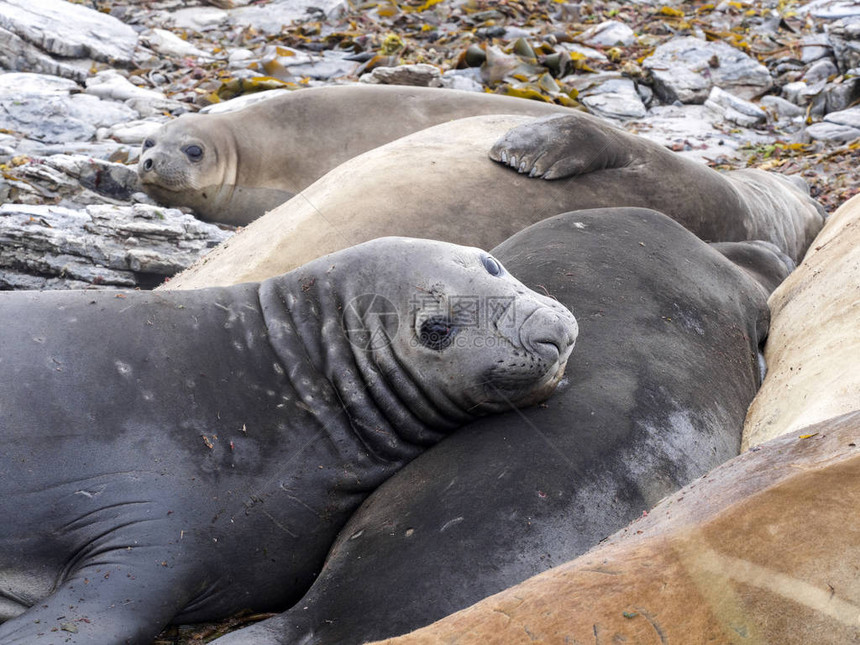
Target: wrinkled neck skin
[{"x": 388, "y": 418}]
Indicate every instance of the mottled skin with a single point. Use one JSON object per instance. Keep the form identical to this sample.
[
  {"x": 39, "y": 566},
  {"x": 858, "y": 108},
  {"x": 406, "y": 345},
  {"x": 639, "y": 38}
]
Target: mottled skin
[
  {"x": 180, "y": 456},
  {"x": 666, "y": 364},
  {"x": 440, "y": 183},
  {"x": 253, "y": 159},
  {"x": 761, "y": 550}
]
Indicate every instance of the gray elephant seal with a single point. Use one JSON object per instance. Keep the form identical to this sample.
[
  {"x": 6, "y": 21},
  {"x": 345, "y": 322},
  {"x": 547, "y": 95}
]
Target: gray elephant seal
[
  {"x": 441, "y": 184},
  {"x": 179, "y": 456},
  {"x": 665, "y": 369},
  {"x": 233, "y": 167}
]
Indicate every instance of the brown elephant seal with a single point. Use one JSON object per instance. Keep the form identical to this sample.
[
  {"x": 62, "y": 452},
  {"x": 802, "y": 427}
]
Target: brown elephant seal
[
  {"x": 763, "y": 549},
  {"x": 813, "y": 352},
  {"x": 775, "y": 208},
  {"x": 441, "y": 184},
  {"x": 233, "y": 167},
  {"x": 178, "y": 456}
]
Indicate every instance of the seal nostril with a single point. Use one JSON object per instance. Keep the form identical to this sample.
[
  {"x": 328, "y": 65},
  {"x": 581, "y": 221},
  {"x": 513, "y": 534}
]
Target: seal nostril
[{"x": 147, "y": 165}]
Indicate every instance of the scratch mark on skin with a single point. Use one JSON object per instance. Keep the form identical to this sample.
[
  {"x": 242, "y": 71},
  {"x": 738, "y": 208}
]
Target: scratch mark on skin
[
  {"x": 278, "y": 524},
  {"x": 653, "y": 623},
  {"x": 450, "y": 523}
]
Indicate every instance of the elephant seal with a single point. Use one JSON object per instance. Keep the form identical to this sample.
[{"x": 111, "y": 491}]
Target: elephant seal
[
  {"x": 775, "y": 208},
  {"x": 665, "y": 369},
  {"x": 441, "y": 184},
  {"x": 179, "y": 456},
  {"x": 813, "y": 352},
  {"x": 233, "y": 167},
  {"x": 760, "y": 551}
]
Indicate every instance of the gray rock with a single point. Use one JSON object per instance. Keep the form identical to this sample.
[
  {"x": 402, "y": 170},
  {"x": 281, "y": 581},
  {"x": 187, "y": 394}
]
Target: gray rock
[
  {"x": 849, "y": 117},
  {"x": 781, "y": 107},
  {"x": 20, "y": 56},
  {"x": 199, "y": 18},
  {"x": 242, "y": 101},
  {"x": 836, "y": 97},
  {"x": 830, "y": 9},
  {"x": 609, "y": 95},
  {"x": 110, "y": 84},
  {"x": 820, "y": 71},
  {"x": 44, "y": 108},
  {"x": 844, "y": 35},
  {"x": 169, "y": 44},
  {"x": 466, "y": 80},
  {"x": 134, "y": 132},
  {"x": 69, "y": 30},
  {"x": 799, "y": 92},
  {"x": 588, "y": 52},
  {"x": 685, "y": 69},
  {"x": 690, "y": 131},
  {"x": 101, "y": 245},
  {"x": 269, "y": 18},
  {"x": 610, "y": 33},
  {"x": 814, "y": 47},
  {"x": 330, "y": 65},
  {"x": 421, "y": 75},
  {"x": 825, "y": 131},
  {"x": 735, "y": 109}
]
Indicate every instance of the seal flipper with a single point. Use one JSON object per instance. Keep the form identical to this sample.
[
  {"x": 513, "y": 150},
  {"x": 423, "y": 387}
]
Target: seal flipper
[
  {"x": 125, "y": 597},
  {"x": 562, "y": 146}
]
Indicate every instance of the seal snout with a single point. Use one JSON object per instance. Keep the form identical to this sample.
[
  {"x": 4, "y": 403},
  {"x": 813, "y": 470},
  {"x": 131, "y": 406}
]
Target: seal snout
[{"x": 550, "y": 333}]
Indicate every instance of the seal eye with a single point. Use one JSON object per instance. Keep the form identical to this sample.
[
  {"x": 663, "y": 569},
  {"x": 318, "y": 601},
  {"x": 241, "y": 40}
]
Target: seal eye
[
  {"x": 492, "y": 266},
  {"x": 194, "y": 153},
  {"x": 148, "y": 143},
  {"x": 437, "y": 333}
]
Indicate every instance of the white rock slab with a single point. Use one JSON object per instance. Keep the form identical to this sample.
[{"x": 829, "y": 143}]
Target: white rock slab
[
  {"x": 685, "y": 69},
  {"x": 69, "y": 30}
]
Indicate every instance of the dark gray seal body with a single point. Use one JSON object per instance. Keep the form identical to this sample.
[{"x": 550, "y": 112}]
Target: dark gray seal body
[
  {"x": 666, "y": 365},
  {"x": 179, "y": 456}
]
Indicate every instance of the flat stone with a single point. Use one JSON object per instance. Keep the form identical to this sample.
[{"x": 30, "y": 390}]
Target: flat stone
[
  {"x": 102, "y": 244},
  {"x": 270, "y": 18},
  {"x": 169, "y": 44},
  {"x": 242, "y": 101},
  {"x": 612, "y": 96},
  {"x": 782, "y": 107},
  {"x": 735, "y": 109},
  {"x": 330, "y": 65},
  {"x": 609, "y": 33},
  {"x": 685, "y": 69},
  {"x": 815, "y": 47},
  {"x": 69, "y": 30},
  {"x": 820, "y": 71},
  {"x": 849, "y": 117},
  {"x": 110, "y": 84},
  {"x": 199, "y": 18},
  {"x": 135, "y": 131},
  {"x": 830, "y": 9},
  {"x": 844, "y": 35},
  {"x": 588, "y": 52},
  {"x": 826, "y": 131},
  {"x": 421, "y": 75},
  {"x": 20, "y": 56},
  {"x": 466, "y": 80}
]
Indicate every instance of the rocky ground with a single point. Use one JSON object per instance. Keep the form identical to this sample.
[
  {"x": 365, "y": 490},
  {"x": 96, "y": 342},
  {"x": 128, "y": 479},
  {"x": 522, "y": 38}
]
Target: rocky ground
[{"x": 771, "y": 84}]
